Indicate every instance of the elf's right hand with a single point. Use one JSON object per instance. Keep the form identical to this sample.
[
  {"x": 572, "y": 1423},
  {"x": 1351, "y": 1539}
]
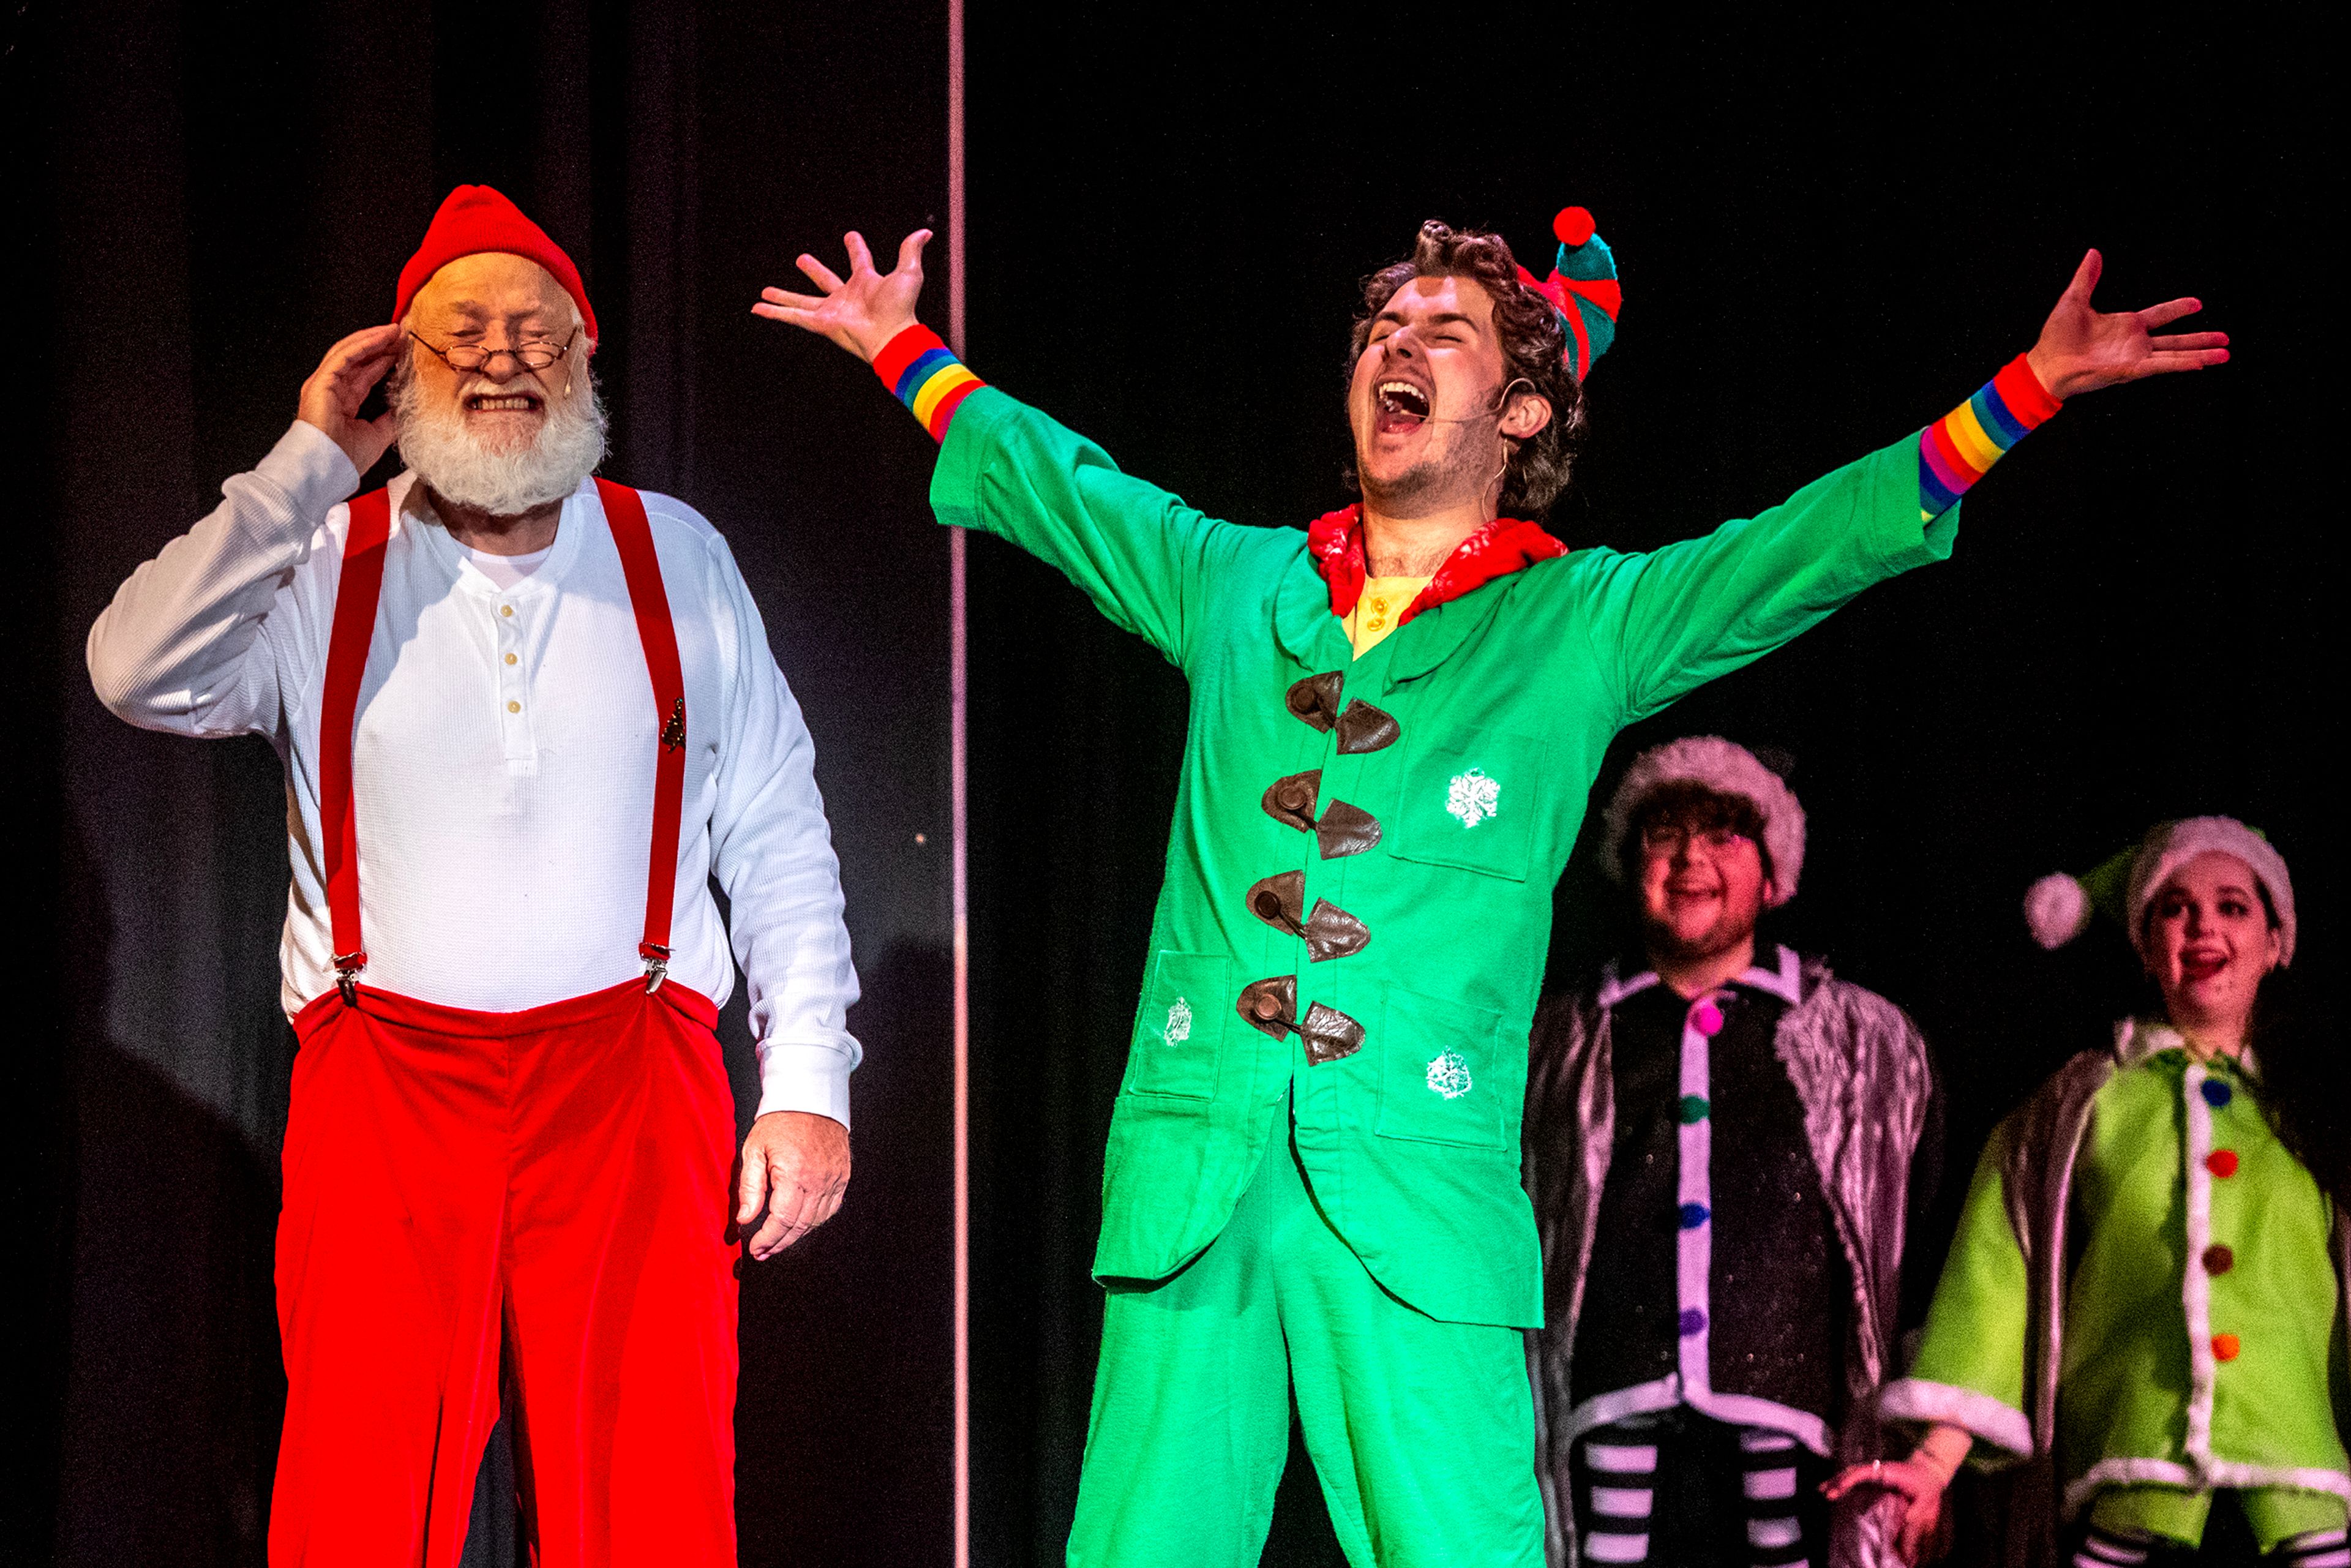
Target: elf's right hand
[{"x": 863, "y": 312}]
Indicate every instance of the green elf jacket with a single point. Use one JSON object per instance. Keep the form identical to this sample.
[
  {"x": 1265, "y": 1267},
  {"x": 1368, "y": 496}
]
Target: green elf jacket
[
  {"x": 2145, "y": 1287},
  {"x": 1358, "y": 892}
]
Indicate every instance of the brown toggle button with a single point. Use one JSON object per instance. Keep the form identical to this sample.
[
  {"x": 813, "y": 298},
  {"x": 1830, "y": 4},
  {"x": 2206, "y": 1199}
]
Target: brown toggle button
[
  {"x": 1363, "y": 727},
  {"x": 1345, "y": 830},
  {"x": 1269, "y": 1005},
  {"x": 1315, "y": 699},
  {"x": 1281, "y": 901},
  {"x": 1329, "y": 1035},
  {"x": 2218, "y": 1259},
  {"x": 1332, "y": 933},
  {"x": 1291, "y": 799}
]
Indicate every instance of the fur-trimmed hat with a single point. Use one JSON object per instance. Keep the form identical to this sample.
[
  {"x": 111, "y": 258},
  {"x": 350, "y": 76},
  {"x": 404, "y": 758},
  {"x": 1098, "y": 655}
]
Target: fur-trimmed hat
[
  {"x": 1725, "y": 768},
  {"x": 2058, "y": 907}
]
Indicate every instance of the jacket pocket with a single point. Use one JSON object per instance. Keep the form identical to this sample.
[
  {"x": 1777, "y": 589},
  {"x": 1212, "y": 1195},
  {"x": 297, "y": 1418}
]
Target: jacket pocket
[
  {"x": 1472, "y": 802},
  {"x": 1180, "y": 1029},
  {"x": 1438, "y": 1081}
]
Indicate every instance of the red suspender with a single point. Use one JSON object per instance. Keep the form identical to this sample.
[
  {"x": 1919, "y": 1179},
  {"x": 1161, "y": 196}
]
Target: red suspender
[
  {"x": 347, "y": 654},
  {"x": 625, "y": 509}
]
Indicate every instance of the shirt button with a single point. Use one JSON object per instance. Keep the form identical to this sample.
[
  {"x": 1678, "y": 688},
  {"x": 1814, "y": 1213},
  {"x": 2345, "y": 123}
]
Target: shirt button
[
  {"x": 1706, "y": 1018},
  {"x": 2217, "y": 1093},
  {"x": 513, "y": 707},
  {"x": 510, "y": 658},
  {"x": 1693, "y": 1322},
  {"x": 2222, "y": 1161},
  {"x": 2218, "y": 1259},
  {"x": 505, "y": 609},
  {"x": 1693, "y": 1215},
  {"x": 2225, "y": 1347},
  {"x": 1693, "y": 1109}
]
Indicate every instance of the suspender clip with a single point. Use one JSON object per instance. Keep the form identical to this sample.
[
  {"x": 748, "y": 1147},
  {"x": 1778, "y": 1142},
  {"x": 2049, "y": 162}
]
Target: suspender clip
[
  {"x": 347, "y": 975},
  {"x": 656, "y": 964}
]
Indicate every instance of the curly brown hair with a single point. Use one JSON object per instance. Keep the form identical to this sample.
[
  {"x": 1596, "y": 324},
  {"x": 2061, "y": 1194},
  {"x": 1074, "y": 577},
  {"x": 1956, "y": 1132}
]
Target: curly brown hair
[{"x": 1534, "y": 351}]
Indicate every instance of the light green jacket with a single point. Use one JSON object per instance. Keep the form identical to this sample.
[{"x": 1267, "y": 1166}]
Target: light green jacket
[
  {"x": 1484, "y": 723},
  {"x": 2198, "y": 1334}
]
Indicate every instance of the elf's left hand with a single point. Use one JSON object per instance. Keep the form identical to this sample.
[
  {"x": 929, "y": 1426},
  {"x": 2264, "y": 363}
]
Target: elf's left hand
[{"x": 2082, "y": 349}]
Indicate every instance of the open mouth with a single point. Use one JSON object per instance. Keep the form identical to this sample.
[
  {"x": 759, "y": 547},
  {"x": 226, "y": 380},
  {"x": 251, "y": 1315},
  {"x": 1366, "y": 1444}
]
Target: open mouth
[
  {"x": 2197, "y": 968},
  {"x": 1399, "y": 406},
  {"x": 502, "y": 402}
]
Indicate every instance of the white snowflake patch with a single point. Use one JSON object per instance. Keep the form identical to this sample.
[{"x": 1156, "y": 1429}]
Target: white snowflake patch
[
  {"x": 1472, "y": 796},
  {"x": 1448, "y": 1075},
  {"x": 1179, "y": 1022}
]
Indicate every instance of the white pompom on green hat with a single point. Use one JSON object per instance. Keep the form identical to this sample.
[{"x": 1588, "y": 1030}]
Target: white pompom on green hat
[{"x": 2058, "y": 907}]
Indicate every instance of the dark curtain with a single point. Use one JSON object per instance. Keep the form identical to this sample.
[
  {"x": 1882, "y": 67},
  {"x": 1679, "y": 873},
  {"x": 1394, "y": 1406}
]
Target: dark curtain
[
  {"x": 202, "y": 198},
  {"x": 1829, "y": 236}
]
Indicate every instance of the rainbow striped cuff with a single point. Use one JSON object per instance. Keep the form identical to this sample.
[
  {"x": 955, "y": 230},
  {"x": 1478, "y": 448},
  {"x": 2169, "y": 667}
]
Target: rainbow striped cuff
[
  {"x": 1960, "y": 449},
  {"x": 926, "y": 376}
]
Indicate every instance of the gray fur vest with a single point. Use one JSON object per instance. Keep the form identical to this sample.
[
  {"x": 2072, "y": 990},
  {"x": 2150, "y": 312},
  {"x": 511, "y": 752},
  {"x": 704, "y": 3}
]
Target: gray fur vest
[{"x": 1860, "y": 1069}]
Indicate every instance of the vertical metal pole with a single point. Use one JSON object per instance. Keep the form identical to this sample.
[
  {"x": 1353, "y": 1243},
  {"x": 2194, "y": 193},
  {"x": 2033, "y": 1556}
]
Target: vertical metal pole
[{"x": 957, "y": 692}]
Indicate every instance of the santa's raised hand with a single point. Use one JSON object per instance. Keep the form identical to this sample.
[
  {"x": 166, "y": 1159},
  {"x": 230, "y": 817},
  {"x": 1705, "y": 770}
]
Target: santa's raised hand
[
  {"x": 862, "y": 311},
  {"x": 2083, "y": 348}
]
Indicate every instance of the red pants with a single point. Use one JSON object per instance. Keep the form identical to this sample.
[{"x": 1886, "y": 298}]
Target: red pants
[{"x": 551, "y": 1186}]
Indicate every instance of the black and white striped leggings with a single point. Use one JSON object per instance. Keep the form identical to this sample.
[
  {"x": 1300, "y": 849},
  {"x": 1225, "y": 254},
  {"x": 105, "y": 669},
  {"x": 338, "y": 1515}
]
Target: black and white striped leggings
[
  {"x": 2100, "y": 1548},
  {"x": 1679, "y": 1490}
]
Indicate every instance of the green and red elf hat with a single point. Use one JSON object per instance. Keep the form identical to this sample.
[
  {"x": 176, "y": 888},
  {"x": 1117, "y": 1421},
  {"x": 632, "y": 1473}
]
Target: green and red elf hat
[{"x": 1581, "y": 287}]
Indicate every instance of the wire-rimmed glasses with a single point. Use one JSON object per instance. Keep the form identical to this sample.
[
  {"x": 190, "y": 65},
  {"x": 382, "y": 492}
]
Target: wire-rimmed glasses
[{"x": 532, "y": 357}]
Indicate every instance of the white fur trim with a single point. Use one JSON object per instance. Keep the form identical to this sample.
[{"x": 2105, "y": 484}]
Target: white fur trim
[
  {"x": 2195, "y": 1282},
  {"x": 2056, "y": 908},
  {"x": 2224, "y": 1475},
  {"x": 1750, "y": 1410},
  {"x": 1986, "y": 1418},
  {"x": 1640, "y": 1399},
  {"x": 2170, "y": 845},
  {"x": 1727, "y": 768},
  {"x": 2127, "y": 1472}
]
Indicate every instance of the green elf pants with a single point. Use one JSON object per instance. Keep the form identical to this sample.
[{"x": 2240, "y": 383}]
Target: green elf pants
[
  {"x": 2175, "y": 1513},
  {"x": 1421, "y": 1431}
]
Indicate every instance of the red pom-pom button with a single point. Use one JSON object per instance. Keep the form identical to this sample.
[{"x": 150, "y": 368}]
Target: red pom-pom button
[
  {"x": 2222, "y": 1161},
  {"x": 2225, "y": 1347},
  {"x": 1573, "y": 227}
]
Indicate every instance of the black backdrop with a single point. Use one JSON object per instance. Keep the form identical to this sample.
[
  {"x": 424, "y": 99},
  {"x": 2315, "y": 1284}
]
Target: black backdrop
[
  {"x": 1828, "y": 237},
  {"x": 1830, "y": 233},
  {"x": 203, "y": 196}
]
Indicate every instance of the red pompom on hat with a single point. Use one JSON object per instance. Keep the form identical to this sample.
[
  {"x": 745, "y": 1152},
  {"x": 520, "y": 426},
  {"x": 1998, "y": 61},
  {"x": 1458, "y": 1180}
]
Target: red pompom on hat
[{"x": 475, "y": 219}]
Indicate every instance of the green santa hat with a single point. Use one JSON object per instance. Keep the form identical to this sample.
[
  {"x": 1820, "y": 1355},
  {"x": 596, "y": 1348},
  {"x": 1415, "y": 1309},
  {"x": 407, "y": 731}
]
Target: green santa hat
[{"x": 2058, "y": 907}]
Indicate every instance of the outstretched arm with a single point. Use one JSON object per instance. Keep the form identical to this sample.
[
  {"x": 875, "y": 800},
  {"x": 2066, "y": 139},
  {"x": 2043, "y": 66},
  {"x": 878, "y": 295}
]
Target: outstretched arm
[
  {"x": 2081, "y": 350},
  {"x": 1677, "y": 617},
  {"x": 1140, "y": 554}
]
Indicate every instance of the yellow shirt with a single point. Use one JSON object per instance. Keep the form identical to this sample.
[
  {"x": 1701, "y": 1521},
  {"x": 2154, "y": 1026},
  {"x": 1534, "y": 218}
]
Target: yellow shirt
[{"x": 1376, "y": 611}]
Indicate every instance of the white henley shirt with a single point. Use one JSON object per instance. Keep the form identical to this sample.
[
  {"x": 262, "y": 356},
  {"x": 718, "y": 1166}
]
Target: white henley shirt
[{"x": 503, "y": 769}]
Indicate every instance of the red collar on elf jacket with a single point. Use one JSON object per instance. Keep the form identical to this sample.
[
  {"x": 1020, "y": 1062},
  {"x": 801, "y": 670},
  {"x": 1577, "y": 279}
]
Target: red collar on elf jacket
[{"x": 1336, "y": 540}]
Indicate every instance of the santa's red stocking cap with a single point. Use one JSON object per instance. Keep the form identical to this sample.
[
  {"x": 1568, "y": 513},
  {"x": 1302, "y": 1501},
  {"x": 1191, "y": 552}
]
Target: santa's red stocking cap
[{"x": 475, "y": 219}]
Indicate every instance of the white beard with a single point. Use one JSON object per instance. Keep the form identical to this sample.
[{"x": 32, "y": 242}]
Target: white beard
[{"x": 434, "y": 441}]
